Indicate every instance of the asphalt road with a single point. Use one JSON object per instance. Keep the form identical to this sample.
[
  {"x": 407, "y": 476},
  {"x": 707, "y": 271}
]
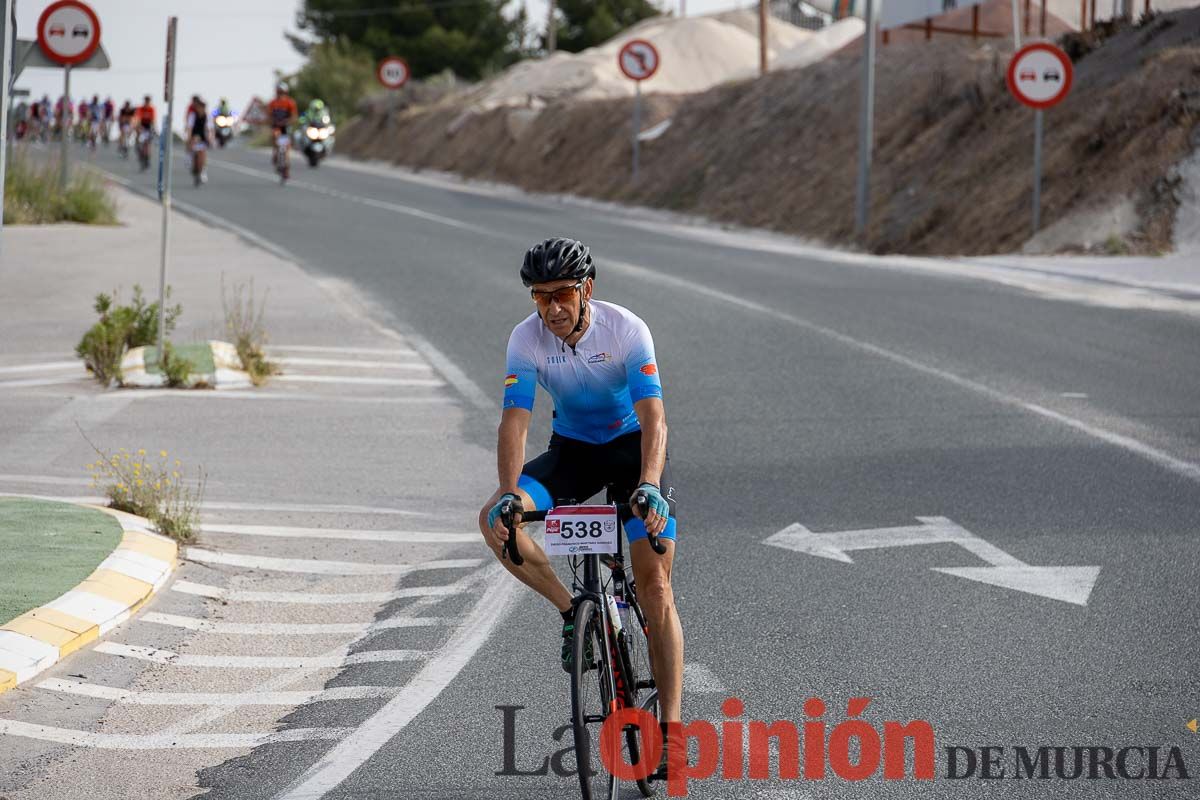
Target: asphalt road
[{"x": 830, "y": 393}]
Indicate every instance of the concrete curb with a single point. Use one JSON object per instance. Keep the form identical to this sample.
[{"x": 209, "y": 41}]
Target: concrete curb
[{"x": 130, "y": 576}]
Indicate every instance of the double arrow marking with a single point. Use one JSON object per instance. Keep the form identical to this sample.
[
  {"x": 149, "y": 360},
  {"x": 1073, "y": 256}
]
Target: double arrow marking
[{"x": 1069, "y": 584}]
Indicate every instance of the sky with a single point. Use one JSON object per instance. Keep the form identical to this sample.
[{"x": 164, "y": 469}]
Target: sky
[{"x": 226, "y": 48}]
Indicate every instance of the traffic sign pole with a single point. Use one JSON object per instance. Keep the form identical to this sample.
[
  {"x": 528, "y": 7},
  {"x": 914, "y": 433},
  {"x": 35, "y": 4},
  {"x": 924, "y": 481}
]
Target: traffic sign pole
[
  {"x": 866, "y": 122},
  {"x": 637, "y": 124},
  {"x": 638, "y": 60},
  {"x": 1039, "y": 76},
  {"x": 165, "y": 151},
  {"x": 64, "y": 153},
  {"x": 6, "y": 56},
  {"x": 1037, "y": 170}
]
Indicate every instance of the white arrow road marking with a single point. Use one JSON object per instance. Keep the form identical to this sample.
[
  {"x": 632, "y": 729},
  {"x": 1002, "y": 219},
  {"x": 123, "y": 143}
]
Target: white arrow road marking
[
  {"x": 226, "y": 699},
  {"x": 402, "y": 537},
  {"x": 337, "y": 658},
  {"x": 117, "y": 741},
  {"x": 289, "y": 628},
  {"x": 315, "y": 567},
  {"x": 312, "y": 598},
  {"x": 1069, "y": 584}
]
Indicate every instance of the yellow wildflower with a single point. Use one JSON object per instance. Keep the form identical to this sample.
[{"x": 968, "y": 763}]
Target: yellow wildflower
[
  {"x": 140, "y": 482},
  {"x": 175, "y": 474},
  {"x": 141, "y": 452},
  {"x": 158, "y": 485},
  {"x": 120, "y": 486},
  {"x": 177, "y": 462},
  {"x": 162, "y": 453}
]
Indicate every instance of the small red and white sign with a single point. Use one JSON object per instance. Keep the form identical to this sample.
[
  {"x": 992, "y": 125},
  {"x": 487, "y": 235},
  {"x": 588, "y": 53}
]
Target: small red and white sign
[
  {"x": 1040, "y": 75},
  {"x": 68, "y": 32},
  {"x": 638, "y": 59},
  {"x": 393, "y": 72}
]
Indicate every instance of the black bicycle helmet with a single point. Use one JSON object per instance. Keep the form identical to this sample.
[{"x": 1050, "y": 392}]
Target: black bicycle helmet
[{"x": 555, "y": 260}]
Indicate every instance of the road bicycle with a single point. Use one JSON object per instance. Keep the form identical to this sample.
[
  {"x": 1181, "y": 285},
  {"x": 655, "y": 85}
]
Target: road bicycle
[
  {"x": 281, "y": 157},
  {"x": 611, "y": 666}
]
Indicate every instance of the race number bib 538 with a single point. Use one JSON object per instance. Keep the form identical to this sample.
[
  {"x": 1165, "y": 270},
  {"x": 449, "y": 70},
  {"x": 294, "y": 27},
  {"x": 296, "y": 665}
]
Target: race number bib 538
[{"x": 578, "y": 530}]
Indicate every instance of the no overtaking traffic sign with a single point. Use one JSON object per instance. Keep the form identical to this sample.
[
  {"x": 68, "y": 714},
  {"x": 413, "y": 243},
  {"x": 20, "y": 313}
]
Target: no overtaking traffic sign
[
  {"x": 1039, "y": 75},
  {"x": 68, "y": 32}
]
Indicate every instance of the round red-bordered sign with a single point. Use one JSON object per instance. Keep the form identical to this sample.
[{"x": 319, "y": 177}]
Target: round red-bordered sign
[
  {"x": 1040, "y": 75},
  {"x": 392, "y": 72},
  {"x": 68, "y": 32},
  {"x": 638, "y": 59}
]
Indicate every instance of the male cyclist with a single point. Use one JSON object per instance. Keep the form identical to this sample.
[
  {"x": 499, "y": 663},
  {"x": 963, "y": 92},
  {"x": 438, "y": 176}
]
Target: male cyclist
[
  {"x": 144, "y": 115},
  {"x": 596, "y": 359},
  {"x": 282, "y": 112}
]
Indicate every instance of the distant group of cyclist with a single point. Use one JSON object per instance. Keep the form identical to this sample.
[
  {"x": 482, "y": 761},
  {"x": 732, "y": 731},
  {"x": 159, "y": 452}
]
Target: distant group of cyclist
[{"x": 95, "y": 122}]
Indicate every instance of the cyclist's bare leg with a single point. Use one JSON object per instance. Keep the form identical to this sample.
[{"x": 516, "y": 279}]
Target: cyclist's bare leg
[
  {"x": 536, "y": 572},
  {"x": 652, "y": 575}
]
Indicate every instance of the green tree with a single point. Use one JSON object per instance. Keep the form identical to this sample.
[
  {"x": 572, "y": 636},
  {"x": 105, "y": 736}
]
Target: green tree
[
  {"x": 470, "y": 37},
  {"x": 587, "y": 23},
  {"x": 337, "y": 72}
]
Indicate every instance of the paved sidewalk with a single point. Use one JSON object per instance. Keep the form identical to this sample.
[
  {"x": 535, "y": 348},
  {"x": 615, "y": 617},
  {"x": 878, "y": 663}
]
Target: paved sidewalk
[{"x": 338, "y": 551}]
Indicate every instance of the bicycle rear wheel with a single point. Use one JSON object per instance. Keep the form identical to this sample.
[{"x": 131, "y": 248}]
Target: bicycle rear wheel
[{"x": 592, "y": 693}]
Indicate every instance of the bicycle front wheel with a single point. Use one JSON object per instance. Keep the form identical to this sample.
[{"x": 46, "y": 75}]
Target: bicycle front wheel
[{"x": 592, "y": 693}]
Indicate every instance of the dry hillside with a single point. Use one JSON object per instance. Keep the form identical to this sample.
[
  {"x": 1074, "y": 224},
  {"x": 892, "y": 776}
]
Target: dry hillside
[{"x": 953, "y": 150}]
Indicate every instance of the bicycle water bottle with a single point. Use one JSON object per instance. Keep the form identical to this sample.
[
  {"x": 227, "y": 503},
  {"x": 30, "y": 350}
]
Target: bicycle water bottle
[{"x": 614, "y": 615}]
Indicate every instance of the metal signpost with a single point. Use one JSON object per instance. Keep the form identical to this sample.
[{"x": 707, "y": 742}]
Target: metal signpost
[
  {"x": 1039, "y": 75},
  {"x": 866, "y": 122},
  {"x": 6, "y": 55},
  {"x": 165, "y": 152},
  {"x": 68, "y": 32},
  {"x": 393, "y": 73},
  {"x": 638, "y": 60}
]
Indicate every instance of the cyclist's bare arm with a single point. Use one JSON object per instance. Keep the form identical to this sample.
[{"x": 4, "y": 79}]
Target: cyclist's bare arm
[
  {"x": 652, "y": 418},
  {"x": 510, "y": 458}
]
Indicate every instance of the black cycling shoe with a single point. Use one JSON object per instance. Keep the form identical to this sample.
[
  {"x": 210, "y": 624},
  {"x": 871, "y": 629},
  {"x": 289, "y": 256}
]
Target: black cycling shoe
[{"x": 568, "y": 648}]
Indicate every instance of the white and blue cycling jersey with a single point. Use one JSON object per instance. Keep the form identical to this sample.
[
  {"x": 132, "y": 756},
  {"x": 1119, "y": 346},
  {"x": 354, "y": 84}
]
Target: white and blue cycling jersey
[{"x": 595, "y": 383}]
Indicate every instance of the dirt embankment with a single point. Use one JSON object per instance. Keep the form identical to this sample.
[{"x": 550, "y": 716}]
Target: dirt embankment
[{"x": 953, "y": 156}]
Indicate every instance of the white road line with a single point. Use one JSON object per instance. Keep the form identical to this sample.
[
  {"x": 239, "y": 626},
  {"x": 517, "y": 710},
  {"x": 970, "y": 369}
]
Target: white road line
[
  {"x": 314, "y": 599},
  {"x": 209, "y": 716},
  {"x": 48, "y": 480},
  {"x": 17, "y": 384},
  {"x": 313, "y": 508},
  {"x": 292, "y": 361},
  {"x": 454, "y": 374},
  {"x": 265, "y": 395},
  {"x": 289, "y": 628},
  {"x": 1161, "y": 458},
  {"x": 367, "y": 201},
  {"x": 192, "y": 741},
  {"x": 52, "y": 366},
  {"x": 224, "y": 699},
  {"x": 366, "y": 351},
  {"x": 343, "y": 759},
  {"x": 356, "y": 380},
  {"x": 699, "y": 679},
  {"x": 315, "y": 567},
  {"x": 335, "y": 659},
  {"x": 434, "y": 537}
]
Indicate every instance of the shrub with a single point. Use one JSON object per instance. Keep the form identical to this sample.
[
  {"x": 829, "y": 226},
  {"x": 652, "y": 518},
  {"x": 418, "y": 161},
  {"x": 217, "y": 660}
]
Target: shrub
[
  {"x": 33, "y": 195},
  {"x": 154, "y": 489},
  {"x": 175, "y": 368},
  {"x": 244, "y": 325},
  {"x": 121, "y": 327}
]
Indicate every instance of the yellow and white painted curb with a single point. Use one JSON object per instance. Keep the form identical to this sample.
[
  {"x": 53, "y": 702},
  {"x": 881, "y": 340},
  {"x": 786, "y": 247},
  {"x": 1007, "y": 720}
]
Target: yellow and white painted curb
[{"x": 122, "y": 584}]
